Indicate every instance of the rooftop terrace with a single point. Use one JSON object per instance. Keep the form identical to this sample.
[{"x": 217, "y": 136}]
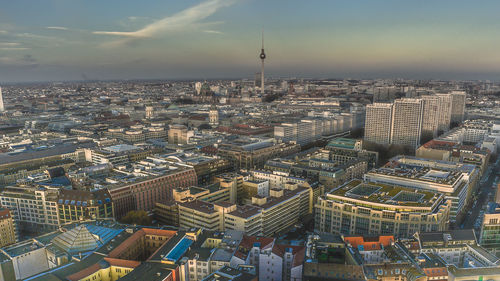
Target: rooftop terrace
[{"x": 386, "y": 194}]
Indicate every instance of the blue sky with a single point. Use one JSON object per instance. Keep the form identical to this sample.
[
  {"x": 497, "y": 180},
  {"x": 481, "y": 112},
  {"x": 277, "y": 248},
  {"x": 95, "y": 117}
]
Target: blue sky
[{"x": 54, "y": 40}]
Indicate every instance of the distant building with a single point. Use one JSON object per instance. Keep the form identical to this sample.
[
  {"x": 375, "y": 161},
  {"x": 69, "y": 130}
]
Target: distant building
[
  {"x": 252, "y": 153},
  {"x": 179, "y": 134},
  {"x": 407, "y": 122},
  {"x": 378, "y": 123},
  {"x": 2, "y": 108},
  {"x": 458, "y": 106}
]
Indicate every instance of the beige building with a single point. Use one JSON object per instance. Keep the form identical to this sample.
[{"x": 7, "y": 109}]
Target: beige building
[
  {"x": 179, "y": 134},
  {"x": 7, "y": 228},
  {"x": 264, "y": 216},
  {"x": 368, "y": 208}
]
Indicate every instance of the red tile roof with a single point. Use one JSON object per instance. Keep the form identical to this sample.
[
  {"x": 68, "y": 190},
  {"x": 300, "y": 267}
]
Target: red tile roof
[
  {"x": 369, "y": 243},
  {"x": 122, "y": 263},
  {"x": 84, "y": 273}
]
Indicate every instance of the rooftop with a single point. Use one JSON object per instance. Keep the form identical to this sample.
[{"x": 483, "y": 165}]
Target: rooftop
[{"x": 386, "y": 194}]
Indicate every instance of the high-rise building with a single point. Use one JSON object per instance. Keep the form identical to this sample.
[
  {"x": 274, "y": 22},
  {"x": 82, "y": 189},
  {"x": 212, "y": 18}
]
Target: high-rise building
[
  {"x": 457, "y": 106},
  {"x": 444, "y": 112},
  {"x": 2, "y": 108},
  {"x": 431, "y": 114},
  {"x": 378, "y": 123},
  {"x": 407, "y": 122}
]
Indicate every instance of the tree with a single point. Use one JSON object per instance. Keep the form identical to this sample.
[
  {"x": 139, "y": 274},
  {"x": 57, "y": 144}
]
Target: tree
[
  {"x": 204, "y": 126},
  {"x": 138, "y": 217}
]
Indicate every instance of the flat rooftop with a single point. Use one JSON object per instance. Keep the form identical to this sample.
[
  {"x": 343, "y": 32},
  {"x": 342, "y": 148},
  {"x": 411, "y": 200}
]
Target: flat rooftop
[{"x": 386, "y": 194}]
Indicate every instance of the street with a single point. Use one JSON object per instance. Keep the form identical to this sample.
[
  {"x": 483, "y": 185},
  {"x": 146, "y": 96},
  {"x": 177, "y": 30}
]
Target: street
[{"x": 478, "y": 207}]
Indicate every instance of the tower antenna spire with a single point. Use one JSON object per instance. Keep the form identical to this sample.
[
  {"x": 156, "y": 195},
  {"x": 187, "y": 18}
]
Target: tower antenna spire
[{"x": 262, "y": 57}]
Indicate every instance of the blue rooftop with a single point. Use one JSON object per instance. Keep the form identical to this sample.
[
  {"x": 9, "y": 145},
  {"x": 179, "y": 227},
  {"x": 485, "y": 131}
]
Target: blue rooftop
[{"x": 179, "y": 249}]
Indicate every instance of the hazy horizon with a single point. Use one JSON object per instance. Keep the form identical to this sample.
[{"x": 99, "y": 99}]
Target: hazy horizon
[{"x": 209, "y": 39}]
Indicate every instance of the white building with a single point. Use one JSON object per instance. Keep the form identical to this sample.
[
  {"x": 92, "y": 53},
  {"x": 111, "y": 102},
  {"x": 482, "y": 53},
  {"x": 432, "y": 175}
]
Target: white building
[
  {"x": 378, "y": 123},
  {"x": 406, "y": 124}
]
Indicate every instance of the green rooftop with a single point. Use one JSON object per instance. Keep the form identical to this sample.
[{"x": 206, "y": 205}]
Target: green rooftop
[{"x": 386, "y": 194}]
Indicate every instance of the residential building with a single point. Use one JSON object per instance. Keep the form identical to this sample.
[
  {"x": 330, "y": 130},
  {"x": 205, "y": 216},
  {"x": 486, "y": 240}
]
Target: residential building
[
  {"x": 406, "y": 126},
  {"x": 378, "y": 123}
]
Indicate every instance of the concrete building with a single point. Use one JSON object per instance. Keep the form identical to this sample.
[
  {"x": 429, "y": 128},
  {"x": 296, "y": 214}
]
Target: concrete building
[
  {"x": 458, "y": 106},
  {"x": 81, "y": 205},
  {"x": 251, "y": 153},
  {"x": 378, "y": 123},
  {"x": 273, "y": 260},
  {"x": 179, "y": 134},
  {"x": 361, "y": 208},
  {"x": 444, "y": 109},
  {"x": 456, "y": 181},
  {"x": 431, "y": 116},
  {"x": 303, "y": 132},
  {"x": 406, "y": 126},
  {"x": 7, "y": 228},
  {"x": 2, "y": 108},
  {"x": 141, "y": 193},
  {"x": 34, "y": 209}
]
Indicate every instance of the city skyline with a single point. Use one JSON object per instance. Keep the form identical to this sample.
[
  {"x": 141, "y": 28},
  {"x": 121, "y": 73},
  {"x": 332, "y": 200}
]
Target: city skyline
[{"x": 91, "y": 40}]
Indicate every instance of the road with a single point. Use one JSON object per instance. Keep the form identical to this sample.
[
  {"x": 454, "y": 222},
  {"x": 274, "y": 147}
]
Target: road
[{"x": 482, "y": 198}]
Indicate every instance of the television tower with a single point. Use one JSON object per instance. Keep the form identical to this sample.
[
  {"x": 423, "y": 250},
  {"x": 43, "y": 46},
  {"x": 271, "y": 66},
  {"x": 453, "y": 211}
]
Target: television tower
[
  {"x": 262, "y": 58},
  {"x": 2, "y": 108}
]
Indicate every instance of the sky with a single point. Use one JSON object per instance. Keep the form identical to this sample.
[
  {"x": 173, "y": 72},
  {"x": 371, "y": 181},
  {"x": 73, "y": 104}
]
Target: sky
[{"x": 60, "y": 40}]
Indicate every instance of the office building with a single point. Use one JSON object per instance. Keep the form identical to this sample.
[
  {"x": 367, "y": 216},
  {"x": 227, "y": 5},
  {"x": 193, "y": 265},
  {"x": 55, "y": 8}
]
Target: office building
[
  {"x": 368, "y": 208},
  {"x": 179, "y": 134},
  {"x": 456, "y": 181},
  {"x": 80, "y": 205},
  {"x": 7, "y": 228},
  {"x": 34, "y": 209},
  {"x": 141, "y": 193},
  {"x": 251, "y": 153}
]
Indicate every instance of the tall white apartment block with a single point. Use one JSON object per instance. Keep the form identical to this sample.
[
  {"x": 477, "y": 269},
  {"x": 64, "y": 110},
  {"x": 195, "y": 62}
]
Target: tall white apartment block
[
  {"x": 378, "y": 123},
  {"x": 2, "y": 108},
  {"x": 431, "y": 115},
  {"x": 444, "y": 112},
  {"x": 458, "y": 106},
  {"x": 407, "y": 122}
]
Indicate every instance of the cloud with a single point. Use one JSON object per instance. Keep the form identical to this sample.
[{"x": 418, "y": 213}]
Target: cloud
[
  {"x": 187, "y": 18},
  {"x": 57, "y": 27},
  {"x": 12, "y": 46},
  {"x": 213, "y": 31},
  {"x": 9, "y": 44},
  {"x": 25, "y": 61}
]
